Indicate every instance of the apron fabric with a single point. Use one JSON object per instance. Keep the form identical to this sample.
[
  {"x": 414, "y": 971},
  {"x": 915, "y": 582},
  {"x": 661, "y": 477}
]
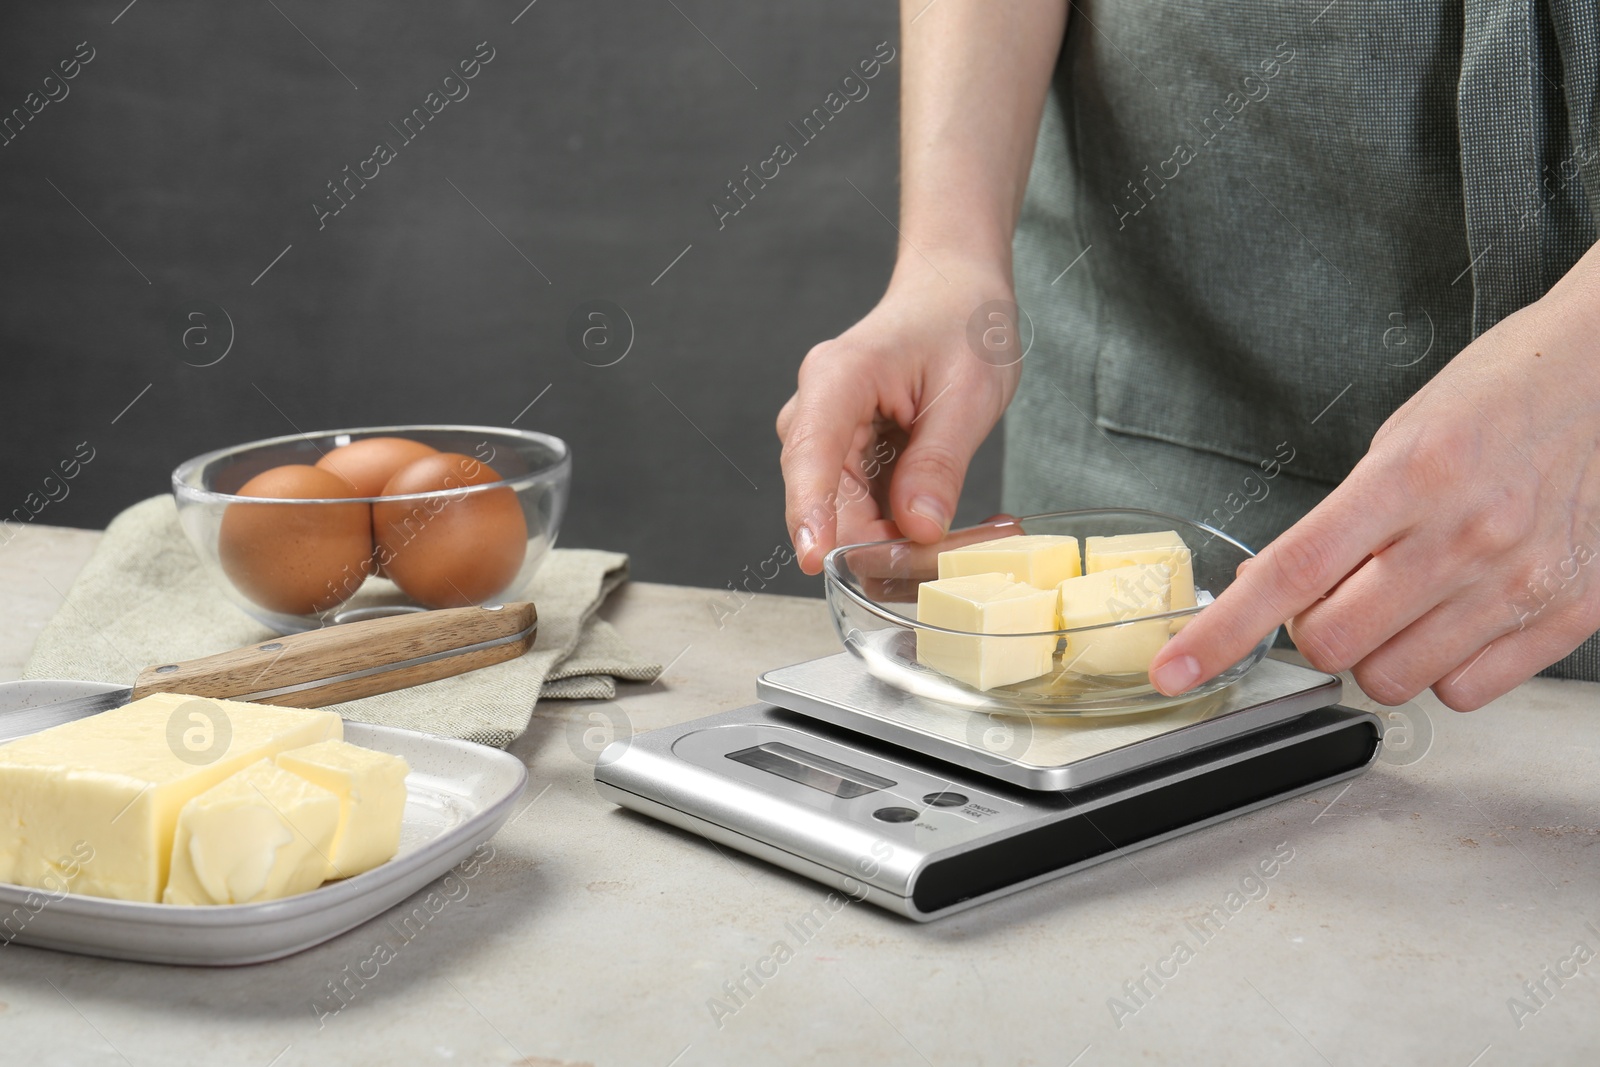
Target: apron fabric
[{"x": 1252, "y": 230}]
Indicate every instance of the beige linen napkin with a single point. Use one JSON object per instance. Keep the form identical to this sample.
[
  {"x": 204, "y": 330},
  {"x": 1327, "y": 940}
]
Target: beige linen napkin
[{"x": 143, "y": 599}]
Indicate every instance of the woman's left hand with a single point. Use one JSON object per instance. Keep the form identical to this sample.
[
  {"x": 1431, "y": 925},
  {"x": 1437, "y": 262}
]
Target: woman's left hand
[{"x": 1457, "y": 554}]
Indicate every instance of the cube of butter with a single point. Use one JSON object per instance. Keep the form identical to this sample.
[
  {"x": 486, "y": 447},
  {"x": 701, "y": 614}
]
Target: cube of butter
[
  {"x": 1041, "y": 560},
  {"x": 371, "y": 787},
  {"x": 114, "y": 783},
  {"x": 260, "y": 835},
  {"x": 986, "y": 604},
  {"x": 1111, "y": 596},
  {"x": 1106, "y": 553}
]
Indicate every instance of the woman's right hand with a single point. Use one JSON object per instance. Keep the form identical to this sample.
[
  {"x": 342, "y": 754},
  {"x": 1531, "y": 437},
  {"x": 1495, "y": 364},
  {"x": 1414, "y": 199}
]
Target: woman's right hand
[{"x": 886, "y": 418}]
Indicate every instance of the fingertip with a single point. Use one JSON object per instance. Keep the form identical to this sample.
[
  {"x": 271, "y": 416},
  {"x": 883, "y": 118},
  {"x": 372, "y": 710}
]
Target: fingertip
[
  {"x": 1173, "y": 673},
  {"x": 925, "y": 519},
  {"x": 808, "y": 550}
]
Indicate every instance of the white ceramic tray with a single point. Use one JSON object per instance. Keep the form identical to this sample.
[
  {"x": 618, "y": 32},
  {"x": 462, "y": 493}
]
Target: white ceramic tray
[{"x": 457, "y": 795}]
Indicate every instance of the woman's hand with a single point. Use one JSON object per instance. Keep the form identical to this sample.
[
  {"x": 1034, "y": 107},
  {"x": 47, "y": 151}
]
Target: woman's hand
[
  {"x": 1458, "y": 554},
  {"x": 878, "y": 436}
]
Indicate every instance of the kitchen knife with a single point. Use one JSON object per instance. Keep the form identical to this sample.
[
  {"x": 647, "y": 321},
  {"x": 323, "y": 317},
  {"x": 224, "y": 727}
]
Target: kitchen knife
[{"x": 320, "y": 667}]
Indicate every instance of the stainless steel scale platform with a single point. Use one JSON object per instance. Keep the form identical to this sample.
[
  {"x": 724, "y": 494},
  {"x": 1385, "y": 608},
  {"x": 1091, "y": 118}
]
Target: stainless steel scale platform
[{"x": 926, "y": 809}]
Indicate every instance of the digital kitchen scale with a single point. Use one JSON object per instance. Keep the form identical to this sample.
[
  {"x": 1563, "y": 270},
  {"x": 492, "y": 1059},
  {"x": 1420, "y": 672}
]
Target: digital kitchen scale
[{"x": 927, "y": 809}]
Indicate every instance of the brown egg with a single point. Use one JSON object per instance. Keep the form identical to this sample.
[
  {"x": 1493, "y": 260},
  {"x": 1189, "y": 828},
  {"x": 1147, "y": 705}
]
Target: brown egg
[
  {"x": 368, "y": 464},
  {"x": 449, "y": 551},
  {"x": 296, "y": 558}
]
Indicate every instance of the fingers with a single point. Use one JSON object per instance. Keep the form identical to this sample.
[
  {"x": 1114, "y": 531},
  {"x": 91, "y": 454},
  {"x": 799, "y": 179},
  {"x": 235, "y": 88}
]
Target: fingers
[
  {"x": 786, "y": 417},
  {"x": 818, "y": 426},
  {"x": 861, "y": 506},
  {"x": 1310, "y": 558},
  {"x": 893, "y": 572},
  {"x": 1508, "y": 661},
  {"x": 945, "y": 432},
  {"x": 1492, "y": 681},
  {"x": 1438, "y": 642},
  {"x": 920, "y": 562},
  {"x": 858, "y": 515},
  {"x": 1382, "y": 597}
]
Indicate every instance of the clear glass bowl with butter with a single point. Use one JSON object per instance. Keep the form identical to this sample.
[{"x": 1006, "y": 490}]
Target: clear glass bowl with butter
[{"x": 995, "y": 630}]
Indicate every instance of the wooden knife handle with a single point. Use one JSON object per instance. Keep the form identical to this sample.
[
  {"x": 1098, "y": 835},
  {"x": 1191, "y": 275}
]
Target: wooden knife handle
[{"x": 353, "y": 659}]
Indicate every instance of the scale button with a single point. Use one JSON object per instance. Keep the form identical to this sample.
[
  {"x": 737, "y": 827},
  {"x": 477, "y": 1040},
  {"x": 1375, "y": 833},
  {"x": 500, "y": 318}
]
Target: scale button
[
  {"x": 945, "y": 800},
  {"x": 895, "y": 814}
]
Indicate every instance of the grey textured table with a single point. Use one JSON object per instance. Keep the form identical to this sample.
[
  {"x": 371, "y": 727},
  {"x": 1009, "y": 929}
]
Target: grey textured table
[{"x": 1415, "y": 904}]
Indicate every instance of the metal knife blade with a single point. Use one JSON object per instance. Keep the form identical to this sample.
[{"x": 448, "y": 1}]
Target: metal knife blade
[{"x": 25, "y": 721}]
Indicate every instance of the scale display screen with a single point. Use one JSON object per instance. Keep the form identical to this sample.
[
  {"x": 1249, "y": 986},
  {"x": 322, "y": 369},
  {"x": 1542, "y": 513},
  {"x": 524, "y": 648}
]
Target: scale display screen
[{"x": 807, "y": 768}]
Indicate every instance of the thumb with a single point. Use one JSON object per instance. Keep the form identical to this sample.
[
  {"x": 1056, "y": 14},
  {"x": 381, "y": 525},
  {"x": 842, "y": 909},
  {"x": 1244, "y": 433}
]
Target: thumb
[{"x": 929, "y": 475}]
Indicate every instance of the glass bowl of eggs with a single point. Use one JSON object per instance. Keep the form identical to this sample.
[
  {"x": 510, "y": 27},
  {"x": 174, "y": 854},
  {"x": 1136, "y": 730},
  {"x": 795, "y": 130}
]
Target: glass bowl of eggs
[
  {"x": 1055, "y": 613},
  {"x": 319, "y": 528}
]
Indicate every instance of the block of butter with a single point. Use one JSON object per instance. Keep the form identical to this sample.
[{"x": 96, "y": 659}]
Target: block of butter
[
  {"x": 986, "y": 604},
  {"x": 371, "y": 787},
  {"x": 1111, "y": 596},
  {"x": 1107, "y": 553},
  {"x": 114, "y": 783},
  {"x": 1043, "y": 561},
  {"x": 261, "y": 834}
]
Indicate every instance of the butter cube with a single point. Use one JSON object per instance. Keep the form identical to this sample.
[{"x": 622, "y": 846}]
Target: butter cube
[
  {"x": 1111, "y": 596},
  {"x": 112, "y": 785},
  {"x": 1106, "y": 553},
  {"x": 371, "y": 787},
  {"x": 260, "y": 835},
  {"x": 990, "y": 604},
  {"x": 1043, "y": 561}
]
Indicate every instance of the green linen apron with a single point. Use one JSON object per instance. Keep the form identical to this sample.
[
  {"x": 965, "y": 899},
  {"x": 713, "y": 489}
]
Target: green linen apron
[{"x": 1253, "y": 229}]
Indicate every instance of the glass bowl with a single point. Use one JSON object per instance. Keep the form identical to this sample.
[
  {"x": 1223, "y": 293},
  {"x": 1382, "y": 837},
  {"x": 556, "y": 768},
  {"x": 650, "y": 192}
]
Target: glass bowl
[
  {"x": 535, "y": 470},
  {"x": 872, "y": 596}
]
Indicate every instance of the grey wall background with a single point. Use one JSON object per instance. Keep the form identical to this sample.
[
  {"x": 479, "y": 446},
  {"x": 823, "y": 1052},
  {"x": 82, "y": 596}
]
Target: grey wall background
[{"x": 186, "y": 155}]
